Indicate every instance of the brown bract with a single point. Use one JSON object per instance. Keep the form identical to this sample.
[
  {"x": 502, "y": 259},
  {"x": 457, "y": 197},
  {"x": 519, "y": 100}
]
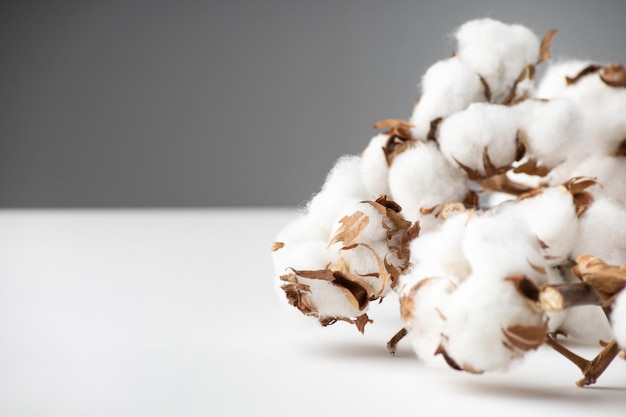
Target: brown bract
[
  {"x": 546, "y": 43},
  {"x": 589, "y": 69},
  {"x": 351, "y": 228},
  {"x": 277, "y": 245},
  {"x": 582, "y": 198},
  {"x": 489, "y": 167},
  {"x": 523, "y": 337},
  {"x": 607, "y": 280},
  {"x": 614, "y": 75},
  {"x": 399, "y": 137}
]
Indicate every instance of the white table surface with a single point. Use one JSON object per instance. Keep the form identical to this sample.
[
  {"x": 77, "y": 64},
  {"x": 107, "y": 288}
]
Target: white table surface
[{"x": 174, "y": 313}]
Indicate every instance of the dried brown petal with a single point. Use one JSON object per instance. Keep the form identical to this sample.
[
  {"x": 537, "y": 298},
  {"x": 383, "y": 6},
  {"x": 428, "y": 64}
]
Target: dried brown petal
[
  {"x": 590, "y": 69},
  {"x": 607, "y": 280},
  {"x": 277, "y": 245},
  {"x": 525, "y": 337},
  {"x": 614, "y": 75},
  {"x": 351, "y": 228},
  {"x": 546, "y": 42}
]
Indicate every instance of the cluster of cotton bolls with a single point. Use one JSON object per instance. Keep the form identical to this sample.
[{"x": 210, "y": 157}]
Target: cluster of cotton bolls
[{"x": 489, "y": 192}]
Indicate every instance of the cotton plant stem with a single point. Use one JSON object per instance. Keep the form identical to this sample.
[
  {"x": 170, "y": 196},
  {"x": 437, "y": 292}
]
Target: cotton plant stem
[
  {"x": 392, "y": 343},
  {"x": 591, "y": 369},
  {"x": 597, "y": 366}
]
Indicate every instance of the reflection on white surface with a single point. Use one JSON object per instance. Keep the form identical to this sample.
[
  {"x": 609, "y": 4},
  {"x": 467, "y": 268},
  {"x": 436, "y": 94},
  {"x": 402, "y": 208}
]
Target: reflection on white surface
[{"x": 174, "y": 313}]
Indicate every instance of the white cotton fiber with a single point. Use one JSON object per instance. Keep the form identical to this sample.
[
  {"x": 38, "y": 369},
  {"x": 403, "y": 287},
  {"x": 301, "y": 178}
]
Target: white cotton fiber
[
  {"x": 618, "y": 319},
  {"x": 311, "y": 255},
  {"x": 374, "y": 168},
  {"x": 464, "y": 136},
  {"x": 602, "y": 107},
  {"x": 448, "y": 86},
  {"x": 609, "y": 172},
  {"x": 420, "y": 177},
  {"x": 551, "y": 216},
  {"x": 477, "y": 316},
  {"x": 554, "y": 79},
  {"x": 497, "y": 51},
  {"x": 602, "y": 231},
  {"x": 551, "y": 129}
]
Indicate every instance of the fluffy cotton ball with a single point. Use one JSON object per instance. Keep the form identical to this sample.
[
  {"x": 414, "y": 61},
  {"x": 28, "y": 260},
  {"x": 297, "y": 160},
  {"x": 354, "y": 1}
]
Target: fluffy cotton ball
[
  {"x": 551, "y": 215},
  {"x": 448, "y": 86},
  {"x": 497, "y": 51},
  {"x": 374, "y": 167},
  {"x": 482, "y": 128},
  {"x": 420, "y": 178},
  {"x": 551, "y": 129},
  {"x": 554, "y": 79},
  {"x": 602, "y": 231},
  {"x": 618, "y": 320},
  {"x": 420, "y": 302},
  {"x": 488, "y": 326},
  {"x": 602, "y": 107},
  {"x": 609, "y": 172}
]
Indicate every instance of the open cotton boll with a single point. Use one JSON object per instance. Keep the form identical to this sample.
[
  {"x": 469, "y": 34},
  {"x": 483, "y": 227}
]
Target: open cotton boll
[
  {"x": 374, "y": 167},
  {"x": 551, "y": 129},
  {"x": 602, "y": 231},
  {"x": 602, "y": 107},
  {"x": 420, "y": 177},
  {"x": 420, "y": 302},
  {"x": 551, "y": 215},
  {"x": 554, "y": 79},
  {"x": 609, "y": 172},
  {"x": 439, "y": 252},
  {"x": 618, "y": 319},
  {"x": 500, "y": 243},
  {"x": 482, "y": 129},
  {"x": 488, "y": 325},
  {"x": 497, "y": 51},
  {"x": 343, "y": 186},
  {"x": 448, "y": 86}
]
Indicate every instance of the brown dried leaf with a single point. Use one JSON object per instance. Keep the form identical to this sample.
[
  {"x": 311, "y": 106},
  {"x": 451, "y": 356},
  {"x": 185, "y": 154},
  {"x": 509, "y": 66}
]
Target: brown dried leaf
[
  {"x": 614, "y": 75},
  {"x": 590, "y": 69},
  {"x": 355, "y": 292},
  {"x": 277, "y": 245},
  {"x": 351, "y": 228},
  {"x": 607, "y": 280},
  {"x": 361, "y": 321},
  {"x": 321, "y": 274},
  {"x": 525, "y": 337},
  {"x": 297, "y": 295},
  {"x": 532, "y": 167},
  {"x": 544, "y": 50},
  {"x": 392, "y": 123}
]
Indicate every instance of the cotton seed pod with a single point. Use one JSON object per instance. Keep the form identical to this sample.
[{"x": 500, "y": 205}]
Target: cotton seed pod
[
  {"x": 481, "y": 139},
  {"x": 498, "y": 52},
  {"x": 420, "y": 177},
  {"x": 448, "y": 86}
]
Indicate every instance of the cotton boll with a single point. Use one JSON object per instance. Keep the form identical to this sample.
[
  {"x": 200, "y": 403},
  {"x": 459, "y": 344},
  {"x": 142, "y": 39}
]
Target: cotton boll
[
  {"x": 343, "y": 186},
  {"x": 488, "y": 325},
  {"x": 374, "y": 167},
  {"x": 618, "y": 320},
  {"x": 310, "y": 255},
  {"x": 497, "y": 51},
  {"x": 420, "y": 178},
  {"x": 604, "y": 124},
  {"x": 602, "y": 231},
  {"x": 481, "y": 129},
  {"x": 500, "y": 243},
  {"x": 609, "y": 172},
  {"x": 551, "y": 129},
  {"x": 554, "y": 79},
  {"x": 420, "y": 303},
  {"x": 439, "y": 252},
  {"x": 448, "y": 86},
  {"x": 551, "y": 216}
]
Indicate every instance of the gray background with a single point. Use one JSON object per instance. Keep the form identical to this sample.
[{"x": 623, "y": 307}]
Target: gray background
[{"x": 227, "y": 103}]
